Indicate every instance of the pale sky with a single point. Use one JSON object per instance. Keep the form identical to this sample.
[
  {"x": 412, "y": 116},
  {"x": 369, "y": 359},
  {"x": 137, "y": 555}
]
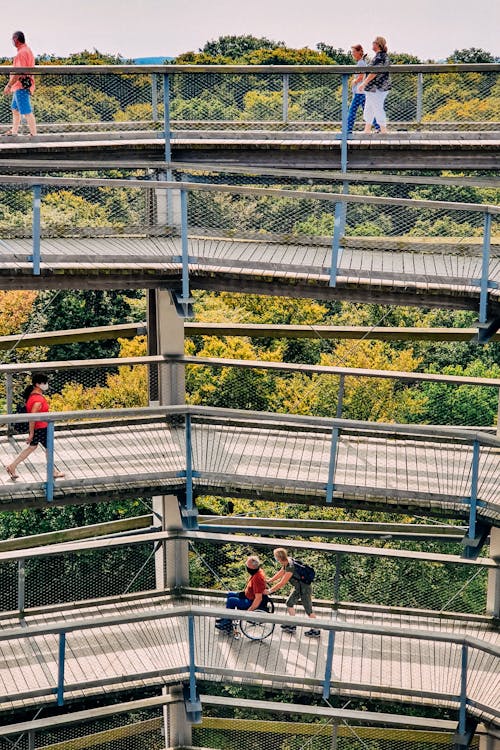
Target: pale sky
[{"x": 430, "y": 29}]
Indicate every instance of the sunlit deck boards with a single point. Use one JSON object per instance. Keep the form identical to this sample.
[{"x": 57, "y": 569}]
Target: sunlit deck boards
[
  {"x": 391, "y": 472},
  {"x": 427, "y": 272},
  {"x": 304, "y": 149},
  {"x": 116, "y": 655}
]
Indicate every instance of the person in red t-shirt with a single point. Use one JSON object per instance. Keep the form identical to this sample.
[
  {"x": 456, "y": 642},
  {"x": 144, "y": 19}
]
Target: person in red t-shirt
[
  {"x": 37, "y": 434},
  {"x": 250, "y": 599},
  {"x": 21, "y": 86}
]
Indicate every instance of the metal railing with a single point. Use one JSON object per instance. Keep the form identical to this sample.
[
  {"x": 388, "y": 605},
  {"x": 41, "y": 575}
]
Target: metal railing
[
  {"x": 322, "y": 234},
  {"x": 164, "y": 453}
]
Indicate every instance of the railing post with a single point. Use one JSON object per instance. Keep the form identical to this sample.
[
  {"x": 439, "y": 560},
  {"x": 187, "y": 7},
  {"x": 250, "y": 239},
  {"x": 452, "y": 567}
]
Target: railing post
[
  {"x": 49, "y": 487},
  {"x": 60, "y": 669},
  {"x": 345, "y": 114},
  {"x": 332, "y": 464},
  {"x": 189, "y": 465},
  {"x": 185, "y": 251},
  {"x": 340, "y": 398},
  {"x": 462, "y": 714},
  {"x": 37, "y": 200},
  {"x": 193, "y": 704},
  {"x": 154, "y": 96},
  {"x": 420, "y": 97},
  {"x": 337, "y": 233},
  {"x": 286, "y": 90},
  {"x": 483, "y": 300},
  {"x": 9, "y": 400},
  {"x": 471, "y": 534},
  {"x": 329, "y": 664},
  {"x": 166, "y": 117},
  {"x": 21, "y": 586},
  {"x": 31, "y": 739}
]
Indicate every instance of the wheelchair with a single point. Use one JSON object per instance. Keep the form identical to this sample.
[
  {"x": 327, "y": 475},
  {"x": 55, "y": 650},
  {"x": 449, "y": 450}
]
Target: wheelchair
[{"x": 257, "y": 631}]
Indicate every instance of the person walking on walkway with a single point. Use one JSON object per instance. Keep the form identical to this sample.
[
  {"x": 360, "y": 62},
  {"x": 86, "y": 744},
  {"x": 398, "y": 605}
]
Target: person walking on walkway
[
  {"x": 37, "y": 434},
  {"x": 301, "y": 591},
  {"x": 376, "y": 87},
  {"x": 251, "y": 598},
  {"x": 21, "y": 86},
  {"x": 358, "y": 100}
]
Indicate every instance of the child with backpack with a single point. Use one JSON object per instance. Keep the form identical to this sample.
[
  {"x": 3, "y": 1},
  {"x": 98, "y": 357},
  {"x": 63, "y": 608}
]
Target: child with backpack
[{"x": 300, "y": 576}]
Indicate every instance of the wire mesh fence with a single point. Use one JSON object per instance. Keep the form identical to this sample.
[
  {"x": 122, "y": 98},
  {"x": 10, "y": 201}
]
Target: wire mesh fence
[{"x": 131, "y": 99}]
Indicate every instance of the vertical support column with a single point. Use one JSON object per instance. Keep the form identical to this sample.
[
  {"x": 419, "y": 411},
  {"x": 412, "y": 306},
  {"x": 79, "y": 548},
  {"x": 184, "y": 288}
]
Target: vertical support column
[
  {"x": 154, "y": 96},
  {"x": 21, "y": 586},
  {"x": 189, "y": 464},
  {"x": 9, "y": 400},
  {"x": 493, "y": 590},
  {"x": 37, "y": 201},
  {"x": 166, "y": 117},
  {"x": 485, "y": 267},
  {"x": 31, "y": 739},
  {"x": 178, "y": 731},
  {"x": 286, "y": 94},
  {"x": 345, "y": 115},
  {"x": 60, "y": 669},
  {"x": 329, "y": 664},
  {"x": 49, "y": 487},
  {"x": 166, "y": 336},
  {"x": 420, "y": 97}
]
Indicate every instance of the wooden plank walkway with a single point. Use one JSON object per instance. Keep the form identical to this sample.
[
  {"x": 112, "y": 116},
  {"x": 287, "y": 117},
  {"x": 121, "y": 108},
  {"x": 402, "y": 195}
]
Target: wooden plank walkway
[
  {"x": 395, "y": 473},
  {"x": 438, "y": 272},
  {"x": 301, "y": 149},
  {"x": 113, "y": 656}
]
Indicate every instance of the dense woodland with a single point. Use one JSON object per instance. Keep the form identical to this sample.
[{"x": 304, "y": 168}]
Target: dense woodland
[{"x": 368, "y": 399}]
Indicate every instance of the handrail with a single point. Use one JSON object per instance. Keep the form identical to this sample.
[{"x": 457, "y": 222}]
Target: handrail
[
  {"x": 253, "y": 364},
  {"x": 244, "y": 190},
  {"x": 407, "y": 431},
  {"x": 251, "y": 69}
]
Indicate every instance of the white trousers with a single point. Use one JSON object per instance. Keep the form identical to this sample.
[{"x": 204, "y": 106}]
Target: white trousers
[{"x": 374, "y": 107}]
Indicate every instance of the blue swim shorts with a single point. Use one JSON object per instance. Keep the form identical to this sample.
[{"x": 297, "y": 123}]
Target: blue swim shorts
[{"x": 21, "y": 101}]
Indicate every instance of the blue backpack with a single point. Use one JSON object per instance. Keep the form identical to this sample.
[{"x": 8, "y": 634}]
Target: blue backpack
[{"x": 303, "y": 572}]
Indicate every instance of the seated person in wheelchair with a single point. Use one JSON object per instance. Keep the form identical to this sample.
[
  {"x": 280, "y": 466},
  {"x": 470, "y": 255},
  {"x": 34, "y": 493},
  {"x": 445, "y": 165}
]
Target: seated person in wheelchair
[{"x": 251, "y": 598}]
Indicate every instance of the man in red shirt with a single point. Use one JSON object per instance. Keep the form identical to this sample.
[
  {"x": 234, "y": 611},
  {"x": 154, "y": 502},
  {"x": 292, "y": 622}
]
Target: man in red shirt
[
  {"x": 249, "y": 599},
  {"x": 21, "y": 86}
]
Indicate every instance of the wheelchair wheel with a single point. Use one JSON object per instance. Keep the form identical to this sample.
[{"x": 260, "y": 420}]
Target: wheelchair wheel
[{"x": 258, "y": 631}]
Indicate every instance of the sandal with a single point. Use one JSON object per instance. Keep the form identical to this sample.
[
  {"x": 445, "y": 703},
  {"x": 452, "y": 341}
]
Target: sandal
[
  {"x": 59, "y": 474},
  {"x": 10, "y": 133},
  {"x": 12, "y": 474}
]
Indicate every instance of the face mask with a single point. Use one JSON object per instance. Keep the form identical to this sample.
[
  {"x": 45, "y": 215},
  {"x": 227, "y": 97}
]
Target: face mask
[
  {"x": 44, "y": 386},
  {"x": 252, "y": 571}
]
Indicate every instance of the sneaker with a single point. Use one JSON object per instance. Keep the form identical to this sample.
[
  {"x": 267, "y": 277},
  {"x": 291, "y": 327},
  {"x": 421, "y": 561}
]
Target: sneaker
[
  {"x": 289, "y": 628},
  {"x": 313, "y": 633},
  {"x": 224, "y": 626}
]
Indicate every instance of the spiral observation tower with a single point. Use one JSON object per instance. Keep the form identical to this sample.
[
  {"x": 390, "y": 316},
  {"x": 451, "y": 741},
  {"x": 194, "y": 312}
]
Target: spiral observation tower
[{"x": 108, "y": 636}]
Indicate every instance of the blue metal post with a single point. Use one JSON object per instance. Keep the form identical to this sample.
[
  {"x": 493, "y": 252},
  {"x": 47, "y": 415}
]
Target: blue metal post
[
  {"x": 21, "y": 586},
  {"x": 49, "y": 488},
  {"x": 60, "y": 669},
  {"x": 185, "y": 250},
  {"x": 340, "y": 397},
  {"x": 166, "y": 117},
  {"x": 332, "y": 465},
  {"x": 192, "y": 667},
  {"x": 328, "y": 665},
  {"x": 483, "y": 300},
  {"x": 337, "y": 233},
  {"x": 37, "y": 201},
  {"x": 473, "y": 489},
  {"x": 345, "y": 114},
  {"x": 189, "y": 465},
  {"x": 462, "y": 714}
]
